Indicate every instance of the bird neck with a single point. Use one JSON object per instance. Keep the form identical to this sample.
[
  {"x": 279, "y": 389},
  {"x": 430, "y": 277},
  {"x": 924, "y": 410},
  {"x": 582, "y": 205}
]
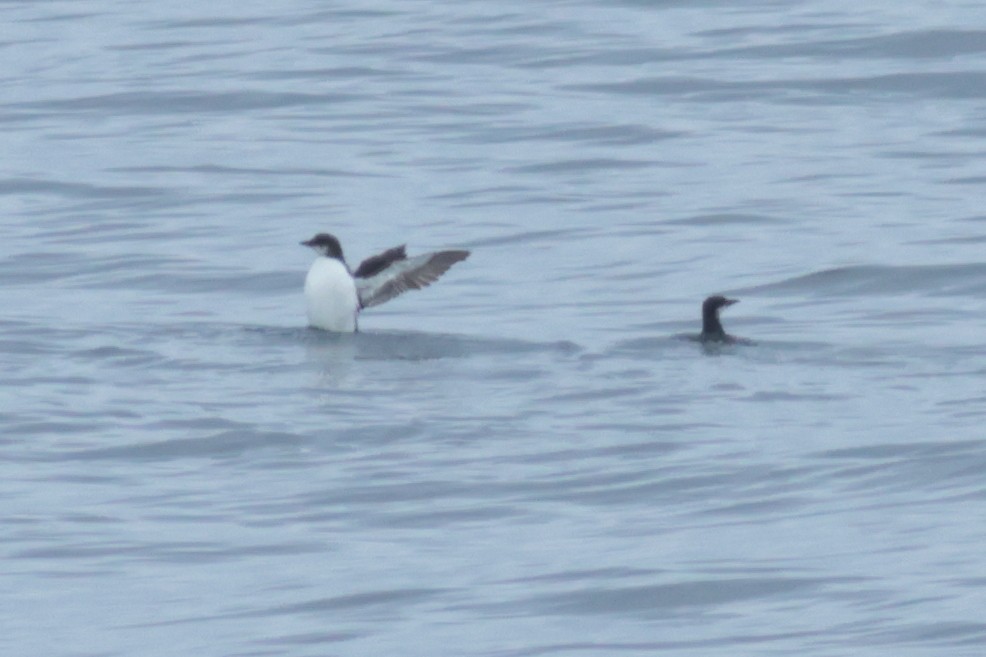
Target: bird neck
[
  {"x": 710, "y": 323},
  {"x": 333, "y": 256}
]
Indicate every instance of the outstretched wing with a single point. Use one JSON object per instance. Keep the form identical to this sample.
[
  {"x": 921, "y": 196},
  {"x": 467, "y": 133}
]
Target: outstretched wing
[
  {"x": 406, "y": 274},
  {"x": 376, "y": 264}
]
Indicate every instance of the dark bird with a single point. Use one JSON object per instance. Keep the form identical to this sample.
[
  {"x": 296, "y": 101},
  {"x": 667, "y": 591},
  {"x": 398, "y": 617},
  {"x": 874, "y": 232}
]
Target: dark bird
[{"x": 712, "y": 330}]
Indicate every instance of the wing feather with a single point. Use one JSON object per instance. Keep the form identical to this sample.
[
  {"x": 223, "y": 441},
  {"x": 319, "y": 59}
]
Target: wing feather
[
  {"x": 378, "y": 263},
  {"x": 406, "y": 274}
]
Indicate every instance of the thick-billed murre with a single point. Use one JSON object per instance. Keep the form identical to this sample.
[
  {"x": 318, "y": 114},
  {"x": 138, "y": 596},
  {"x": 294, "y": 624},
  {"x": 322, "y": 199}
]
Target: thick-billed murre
[
  {"x": 712, "y": 330},
  {"x": 335, "y": 295}
]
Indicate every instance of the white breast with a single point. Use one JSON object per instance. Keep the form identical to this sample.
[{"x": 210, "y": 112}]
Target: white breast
[{"x": 330, "y": 293}]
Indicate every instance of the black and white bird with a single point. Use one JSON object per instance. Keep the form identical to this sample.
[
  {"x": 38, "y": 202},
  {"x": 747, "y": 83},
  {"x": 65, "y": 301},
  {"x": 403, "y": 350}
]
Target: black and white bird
[{"x": 335, "y": 295}]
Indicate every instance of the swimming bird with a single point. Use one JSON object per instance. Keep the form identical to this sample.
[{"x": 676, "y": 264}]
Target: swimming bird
[
  {"x": 712, "y": 330},
  {"x": 335, "y": 295}
]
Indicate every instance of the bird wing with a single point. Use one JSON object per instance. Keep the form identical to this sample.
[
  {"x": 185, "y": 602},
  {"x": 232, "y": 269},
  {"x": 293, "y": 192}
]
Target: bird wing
[
  {"x": 406, "y": 274},
  {"x": 377, "y": 263}
]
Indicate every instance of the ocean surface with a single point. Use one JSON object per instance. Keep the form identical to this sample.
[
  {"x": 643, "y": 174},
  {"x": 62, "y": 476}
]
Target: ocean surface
[{"x": 526, "y": 458}]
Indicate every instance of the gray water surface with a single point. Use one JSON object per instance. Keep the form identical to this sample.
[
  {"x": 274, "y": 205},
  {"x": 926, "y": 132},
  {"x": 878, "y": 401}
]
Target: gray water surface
[{"x": 522, "y": 459}]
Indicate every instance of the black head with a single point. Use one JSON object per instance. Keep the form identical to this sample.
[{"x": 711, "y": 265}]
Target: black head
[
  {"x": 326, "y": 245},
  {"x": 713, "y": 304},
  {"x": 711, "y": 326}
]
